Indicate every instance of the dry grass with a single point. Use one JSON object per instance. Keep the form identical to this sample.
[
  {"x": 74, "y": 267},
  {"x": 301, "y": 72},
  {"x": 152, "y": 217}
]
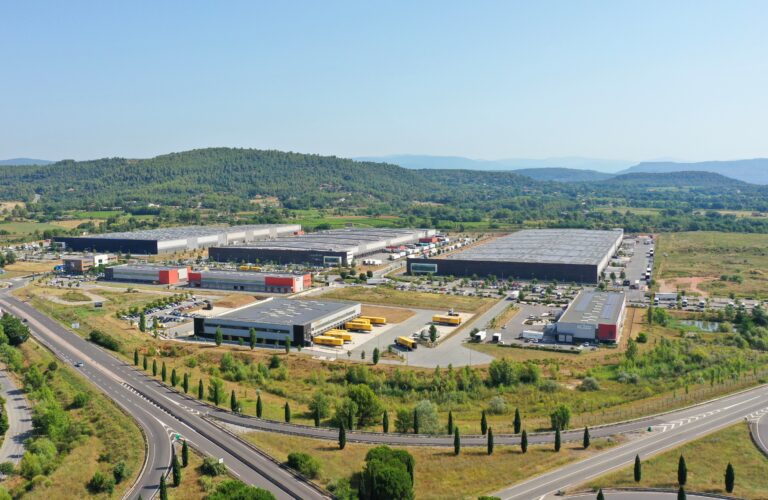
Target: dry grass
[
  {"x": 388, "y": 296},
  {"x": 711, "y": 255},
  {"x": 706, "y": 459},
  {"x": 393, "y": 314},
  {"x": 10, "y": 205},
  {"x": 71, "y": 223},
  {"x": 24, "y": 267},
  {"x": 236, "y": 300},
  {"x": 114, "y": 436},
  {"x": 194, "y": 484},
  {"x": 439, "y": 474}
]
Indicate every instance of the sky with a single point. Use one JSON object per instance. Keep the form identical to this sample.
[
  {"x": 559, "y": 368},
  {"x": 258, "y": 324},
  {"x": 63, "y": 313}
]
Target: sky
[{"x": 612, "y": 79}]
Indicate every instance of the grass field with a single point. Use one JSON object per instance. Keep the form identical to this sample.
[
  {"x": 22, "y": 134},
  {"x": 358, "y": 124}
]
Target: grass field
[
  {"x": 75, "y": 296},
  {"x": 439, "y": 474},
  {"x": 25, "y": 228},
  {"x": 706, "y": 459},
  {"x": 194, "y": 484},
  {"x": 112, "y": 436},
  {"x": 390, "y": 297},
  {"x": 24, "y": 268},
  {"x": 713, "y": 255}
]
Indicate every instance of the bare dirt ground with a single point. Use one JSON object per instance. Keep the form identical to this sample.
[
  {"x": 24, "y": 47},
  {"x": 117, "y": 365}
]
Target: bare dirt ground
[{"x": 691, "y": 284}]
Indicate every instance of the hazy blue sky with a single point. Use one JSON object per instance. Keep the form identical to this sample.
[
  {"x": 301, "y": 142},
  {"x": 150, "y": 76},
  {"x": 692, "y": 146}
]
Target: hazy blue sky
[{"x": 610, "y": 79}]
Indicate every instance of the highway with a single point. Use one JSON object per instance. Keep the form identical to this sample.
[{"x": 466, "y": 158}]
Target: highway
[
  {"x": 19, "y": 420},
  {"x": 161, "y": 413},
  {"x": 691, "y": 424}
]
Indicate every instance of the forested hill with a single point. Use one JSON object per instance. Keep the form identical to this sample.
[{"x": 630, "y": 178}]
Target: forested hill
[
  {"x": 677, "y": 179},
  {"x": 219, "y": 177}
]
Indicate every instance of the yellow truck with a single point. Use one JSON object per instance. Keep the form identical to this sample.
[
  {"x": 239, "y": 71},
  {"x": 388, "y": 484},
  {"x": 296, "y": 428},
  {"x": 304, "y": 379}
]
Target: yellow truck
[
  {"x": 447, "y": 320},
  {"x": 339, "y": 334},
  {"x": 376, "y": 320},
  {"x": 329, "y": 341},
  {"x": 405, "y": 342},
  {"x": 358, "y": 326}
]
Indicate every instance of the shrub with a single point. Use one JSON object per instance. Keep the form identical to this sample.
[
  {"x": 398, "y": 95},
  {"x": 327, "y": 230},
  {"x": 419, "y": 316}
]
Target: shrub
[
  {"x": 104, "y": 340},
  {"x": 642, "y": 338},
  {"x": 120, "y": 472},
  {"x": 589, "y": 384},
  {"x": 427, "y": 416},
  {"x": 497, "y": 406},
  {"x": 231, "y": 489},
  {"x": 212, "y": 467},
  {"x": 306, "y": 465},
  {"x": 100, "y": 483},
  {"x": 549, "y": 386},
  {"x": 7, "y": 468},
  {"x": 560, "y": 417},
  {"x": 81, "y": 399}
]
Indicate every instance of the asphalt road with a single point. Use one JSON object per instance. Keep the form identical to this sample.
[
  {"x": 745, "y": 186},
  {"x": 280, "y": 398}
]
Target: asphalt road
[
  {"x": 689, "y": 425},
  {"x": 161, "y": 413},
  {"x": 19, "y": 420},
  {"x": 758, "y": 426},
  {"x": 636, "y": 495}
]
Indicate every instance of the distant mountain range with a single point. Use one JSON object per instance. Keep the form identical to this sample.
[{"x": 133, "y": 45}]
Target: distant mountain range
[
  {"x": 24, "y": 161},
  {"x": 460, "y": 162},
  {"x": 574, "y": 169}
]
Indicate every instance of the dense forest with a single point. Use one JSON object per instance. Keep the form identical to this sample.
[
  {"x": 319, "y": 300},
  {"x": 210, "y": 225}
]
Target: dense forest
[{"x": 172, "y": 187}]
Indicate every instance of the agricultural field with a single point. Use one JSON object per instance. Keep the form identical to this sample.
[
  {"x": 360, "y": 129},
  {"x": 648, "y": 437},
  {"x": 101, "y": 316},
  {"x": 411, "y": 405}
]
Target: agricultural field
[
  {"x": 714, "y": 263},
  {"x": 439, "y": 473},
  {"x": 706, "y": 459}
]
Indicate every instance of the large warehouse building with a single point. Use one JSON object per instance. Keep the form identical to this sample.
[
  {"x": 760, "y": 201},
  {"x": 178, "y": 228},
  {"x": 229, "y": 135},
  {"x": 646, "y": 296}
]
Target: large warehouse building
[
  {"x": 593, "y": 316},
  {"x": 147, "y": 273},
  {"x": 250, "y": 281},
  {"x": 279, "y": 320},
  {"x": 578, "y": 255},
  {"x": 175, "y": 239},
  {"x": 336, "y": 247}
]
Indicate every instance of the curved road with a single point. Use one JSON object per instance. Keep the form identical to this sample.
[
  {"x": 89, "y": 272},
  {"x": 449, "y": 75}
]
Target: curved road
[
  {"x": 638, "y": 495},
  {"x": 161, "y": 413},
  {"x": 19, "y": 420},
  {"x": 150, "y": 401},
  {"x": 758, "y": 427}
]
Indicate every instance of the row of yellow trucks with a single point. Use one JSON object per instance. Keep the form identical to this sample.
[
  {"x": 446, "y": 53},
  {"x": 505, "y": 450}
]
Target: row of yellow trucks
[{"x": 338, "y": 337}]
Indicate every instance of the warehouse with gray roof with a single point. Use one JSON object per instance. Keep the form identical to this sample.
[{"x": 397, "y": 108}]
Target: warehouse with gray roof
[
  {"x": 175, "y": 239},
  {"x": 335, "y": 247},
  {"x": 276, "y": 321},
  {"x": 577, "y": 255},
  {"x": 593, "y": 316}
]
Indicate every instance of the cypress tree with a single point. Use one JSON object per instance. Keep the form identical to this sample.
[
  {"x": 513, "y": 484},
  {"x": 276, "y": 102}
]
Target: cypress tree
[
  {"x": 385, "y": 422},
  {"x": 185, "y": 383},
  {"x": 681, "y": 494},
  {"x": 233, "y": 401},
  {"x": 415, "y": 421},
  {"x": 142, "y": 322},
  {"x": 342, "y": 437},
  {"x": 518, "y": 423},
  {"x": 174, "y": 378},
  {"x": 483, "y": 424},
  {"x": 216, "y": 394},
  {"x": 145, "y": 362},
  {"x": 490, "y": 441},
  {"x": 200, "y": 390},
  {"x": 259, "y": 406},
  {"x": 600, "y": 495},
  {"x": 287, "y": 412},
  {"x": 219, "y": 336},
  {"x": 163, "y": 488},
  {"x": 682, "y": 472},
  {"x": 154, "y": 368},
  {"x": 185, "y": 454},
  {"x": 524, "y": 442},
  {"x": 638, "y": 469},
  {"x": 163, "y": 372},
  {"x": 450, "y": 422},
  {"x": 176, "y": 470},
  {"x": 136, "y": 357},
  {"x": 557, "y": 439},
  {"x": 317, "y": 417},
  {"x": 585, "y": 440},
  {"x": 252, "y": 339},
  {"x": 456, "y": 441},
  {"x": 730, "y": 478}
]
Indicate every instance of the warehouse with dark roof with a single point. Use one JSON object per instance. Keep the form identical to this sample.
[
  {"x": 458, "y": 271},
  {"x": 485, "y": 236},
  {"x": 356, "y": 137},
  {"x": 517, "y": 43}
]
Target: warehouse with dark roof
[
  {"x": 175, "y": 239},
  {"x": 576, "y": 255},
  {"x": 336, "y": 247},
  {"x": 276, "y": 321}
]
